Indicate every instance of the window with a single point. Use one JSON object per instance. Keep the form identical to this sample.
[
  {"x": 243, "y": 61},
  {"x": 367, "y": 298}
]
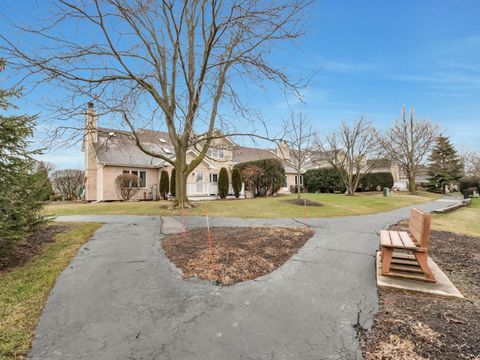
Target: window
[
  {"x": 216, "y": 153},
  {"x": 162, "y": 140},
  {"x": 296, "y": 179},
  {"x": 142, "y": 183},
  {"x": 167, "y": 150},
  {"x": 143, "y": 179},
  {"x": 285, "y": 181},
  {"x": 214, "y": 178}
]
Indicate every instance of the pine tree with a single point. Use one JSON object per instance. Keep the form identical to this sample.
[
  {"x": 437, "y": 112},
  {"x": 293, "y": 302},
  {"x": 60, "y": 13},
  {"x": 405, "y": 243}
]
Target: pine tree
[
  {"x": 445, "y": 168},
  {"x": 23, "y": 188}
]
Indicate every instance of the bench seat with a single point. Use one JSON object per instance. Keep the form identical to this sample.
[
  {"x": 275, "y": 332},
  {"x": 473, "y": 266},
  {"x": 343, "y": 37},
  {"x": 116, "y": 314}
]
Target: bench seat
[{"x": 398, "y": 240}]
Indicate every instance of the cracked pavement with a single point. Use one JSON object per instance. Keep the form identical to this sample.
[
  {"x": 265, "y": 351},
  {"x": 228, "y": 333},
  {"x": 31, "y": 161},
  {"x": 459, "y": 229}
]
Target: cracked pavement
[{"x": 121, "y": 298}]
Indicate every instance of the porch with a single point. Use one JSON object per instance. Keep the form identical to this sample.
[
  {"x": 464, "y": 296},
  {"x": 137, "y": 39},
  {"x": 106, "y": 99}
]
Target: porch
[{"x": 202, "y": 188}]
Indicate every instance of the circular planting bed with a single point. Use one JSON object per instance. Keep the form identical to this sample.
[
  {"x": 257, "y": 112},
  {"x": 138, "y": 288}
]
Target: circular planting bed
[
  {"x": 303, "y": 202},
  {"x": 233, "y": 254}
]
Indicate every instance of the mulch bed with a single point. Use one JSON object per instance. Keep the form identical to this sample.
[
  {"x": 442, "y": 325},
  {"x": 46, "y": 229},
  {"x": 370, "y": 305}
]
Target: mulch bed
[
  {"x": 30, "y": 247},
  {"x": 238, "y": 253},
  {"x": 303, "y": 202},
  {"x": 415, "y": 326}
]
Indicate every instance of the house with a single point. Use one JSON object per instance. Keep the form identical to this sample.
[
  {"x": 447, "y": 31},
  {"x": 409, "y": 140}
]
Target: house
[{"x": 110, "y": 153}]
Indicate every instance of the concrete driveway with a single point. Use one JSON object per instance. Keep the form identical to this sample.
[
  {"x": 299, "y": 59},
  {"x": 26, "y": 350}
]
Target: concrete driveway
[{"x": 121, "y": 298}]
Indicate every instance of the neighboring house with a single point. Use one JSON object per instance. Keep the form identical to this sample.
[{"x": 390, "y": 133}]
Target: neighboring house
[{"x": 110, "y": 153}]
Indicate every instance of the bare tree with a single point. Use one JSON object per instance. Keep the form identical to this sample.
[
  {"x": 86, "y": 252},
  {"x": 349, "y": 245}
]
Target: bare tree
[
  {"x": 351, "y": 150},
  {"x": 164, "y": 62},
  {"x": 471, "y": 161},
  {"x": 127, "y": 185},
  {"x": 300, "y": 139},
  {"x": 408, "y": 143},
  {"x": 68, "y": 182}
]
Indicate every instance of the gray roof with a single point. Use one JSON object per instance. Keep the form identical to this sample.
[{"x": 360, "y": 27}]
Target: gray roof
[
  {"x": 116, "y": 147},
  {"x": 243, "y": 154}
]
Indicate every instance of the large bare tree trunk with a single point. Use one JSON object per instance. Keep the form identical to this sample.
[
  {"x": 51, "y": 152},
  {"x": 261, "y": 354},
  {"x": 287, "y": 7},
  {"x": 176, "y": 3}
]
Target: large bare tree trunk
[
  {"x": 181, "y": 176},
  {"x": 350, "y": 190},
  {"x": 411, "y": 183}
]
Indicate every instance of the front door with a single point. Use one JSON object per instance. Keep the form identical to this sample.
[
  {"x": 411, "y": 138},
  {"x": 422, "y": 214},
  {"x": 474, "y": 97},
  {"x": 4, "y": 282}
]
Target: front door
[{"x": 200, "y": 184}]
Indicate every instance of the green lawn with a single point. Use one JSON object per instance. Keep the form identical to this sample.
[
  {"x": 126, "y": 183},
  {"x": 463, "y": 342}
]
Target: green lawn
[
  {"x": 24, "y": 290},
  {"x": 271, "y": 207},
  {"x": 465, "y": 221}
]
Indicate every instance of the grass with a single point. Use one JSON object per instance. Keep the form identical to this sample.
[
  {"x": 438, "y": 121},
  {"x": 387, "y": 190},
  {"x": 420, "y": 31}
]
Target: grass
[
  {"x": 463, "y": 221},
  {"x": 24, "y": 290},
  {"x": 270, "y": 207}
]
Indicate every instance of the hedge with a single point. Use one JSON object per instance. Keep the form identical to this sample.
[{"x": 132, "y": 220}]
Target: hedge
[
  {"x": 271, "y": 178},
  {"x": 326, "y": 180},
  {"x": 372, "y": 181},
  {"x": 469, "y": 183}
]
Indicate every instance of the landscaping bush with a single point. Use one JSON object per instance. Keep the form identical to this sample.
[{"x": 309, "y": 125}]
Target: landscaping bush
[
  {"x": 270, "y": 178},
  {"x": 126, "y": 186},
  {"x": 237, "y": 182},
  {"x": 223, "y": 183},
  {"x": 164, "y": 184},
  {"x": 172, "y": 183},
  {"x": 325, "y": 180},
  {"x": 55, "y": 197},
  {"x": 372, "y": 181}
]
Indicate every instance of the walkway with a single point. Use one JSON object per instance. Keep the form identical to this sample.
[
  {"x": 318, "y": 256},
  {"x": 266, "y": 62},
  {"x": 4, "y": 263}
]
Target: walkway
[{"x": 121, "y": 298}]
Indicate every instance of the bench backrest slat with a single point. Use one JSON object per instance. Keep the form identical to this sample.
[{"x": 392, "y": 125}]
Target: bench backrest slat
[{"x": 419, "y": 227}]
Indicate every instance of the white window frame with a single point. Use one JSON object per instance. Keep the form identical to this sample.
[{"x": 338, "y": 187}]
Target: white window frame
[{"x": 139, "y": 174}]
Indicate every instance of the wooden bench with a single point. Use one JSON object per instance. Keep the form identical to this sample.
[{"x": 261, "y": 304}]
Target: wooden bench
[{"x": 405, "y": 253}]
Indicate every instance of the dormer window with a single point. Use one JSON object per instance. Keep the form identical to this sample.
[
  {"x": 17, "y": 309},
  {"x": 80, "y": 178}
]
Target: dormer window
[
  {"x": 167, "y": 151},
  {"x": 163, "y": 141},
  {"x": 216, "y": 153},
  {"x": 111, "y": 133}
]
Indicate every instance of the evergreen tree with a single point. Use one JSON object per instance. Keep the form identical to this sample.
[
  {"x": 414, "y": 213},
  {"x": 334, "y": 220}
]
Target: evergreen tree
[
  {"x": 23, "y": 186},
  {"x": 164, "y": 183},
  {"x": 445, "y": 168},
  {"x": 223, "y": 183},
  {"x": 172, "y": 182},
  {"x": 237, "y": 182}
]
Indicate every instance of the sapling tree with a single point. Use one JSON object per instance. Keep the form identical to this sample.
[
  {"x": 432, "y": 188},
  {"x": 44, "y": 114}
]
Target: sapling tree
[{"x": 300, "y": 139}]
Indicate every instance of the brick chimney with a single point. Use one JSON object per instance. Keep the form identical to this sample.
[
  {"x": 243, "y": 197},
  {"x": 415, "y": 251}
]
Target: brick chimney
[
  {"x": 283, "y": 151},
  {"x": 91, "y": 118},
  {"x": 89, "y": 141}
]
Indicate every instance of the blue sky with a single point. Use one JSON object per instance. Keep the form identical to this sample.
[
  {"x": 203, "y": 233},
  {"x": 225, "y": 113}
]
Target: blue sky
[{"x": 370, "y": 57}]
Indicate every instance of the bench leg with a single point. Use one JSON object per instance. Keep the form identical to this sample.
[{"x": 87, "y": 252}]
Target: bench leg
[
  {"x": 422, "y": 261},
  {"x": 387, "y": 254}
]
